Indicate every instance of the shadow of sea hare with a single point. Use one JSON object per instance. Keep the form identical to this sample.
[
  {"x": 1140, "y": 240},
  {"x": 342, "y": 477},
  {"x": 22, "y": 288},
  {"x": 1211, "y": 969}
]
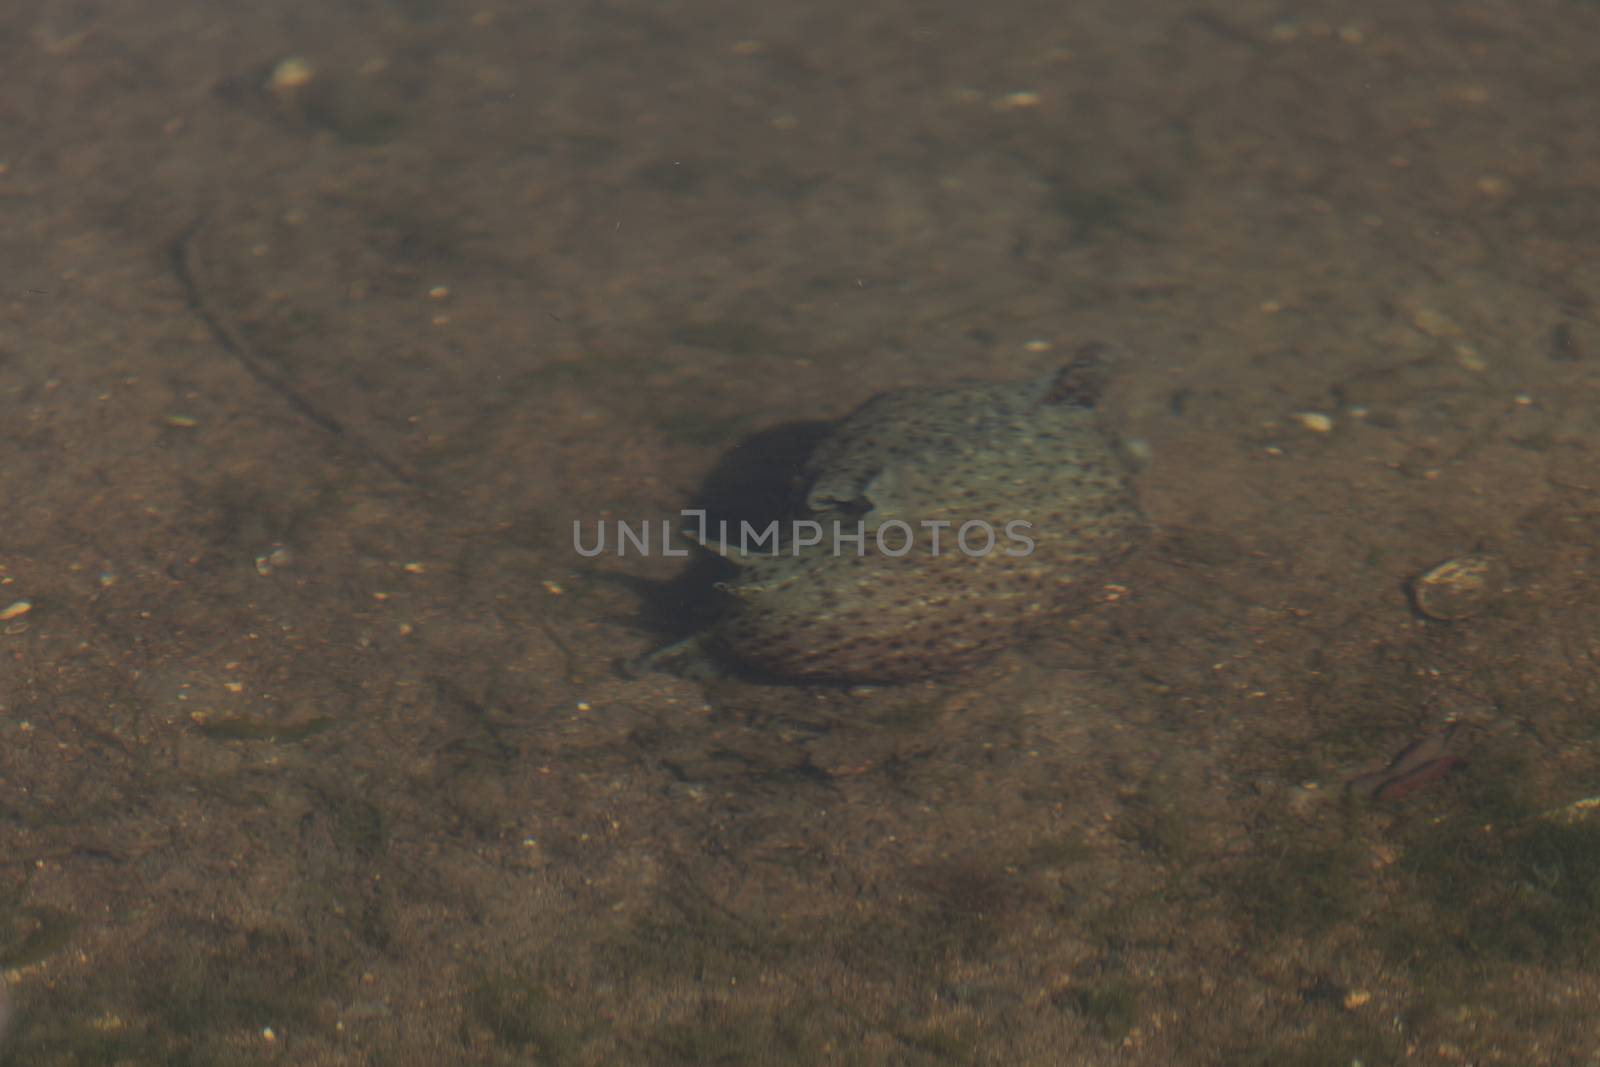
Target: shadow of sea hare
[{"x": 986, "y": 511}]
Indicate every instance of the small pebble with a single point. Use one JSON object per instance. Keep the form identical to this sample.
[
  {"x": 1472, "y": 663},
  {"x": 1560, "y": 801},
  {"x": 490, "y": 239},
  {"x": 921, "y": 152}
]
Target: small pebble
[
  {"x": 290, "y": 76},
  {"x": 1493, "y": 185},
  {"x": 1470, "y": 358},
  {"x": 1017, "y": 101},
  {"x": 1433, "y": 323},
  {"x": 1459, "y": 588}
]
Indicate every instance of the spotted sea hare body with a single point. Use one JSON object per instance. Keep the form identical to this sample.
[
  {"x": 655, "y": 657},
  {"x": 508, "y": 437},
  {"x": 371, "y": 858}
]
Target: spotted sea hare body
[{"x": 986, "y": 511}]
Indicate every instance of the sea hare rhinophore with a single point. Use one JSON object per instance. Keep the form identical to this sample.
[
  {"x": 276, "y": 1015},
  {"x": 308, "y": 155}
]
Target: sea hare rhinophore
[{"x": 987, "y": 510}]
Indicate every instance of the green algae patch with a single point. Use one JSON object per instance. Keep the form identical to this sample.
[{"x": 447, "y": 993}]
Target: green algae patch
[
  {"x": 723, "y": 1034},
  {"x": 32, "y": 935},
  {"x": 523, "y": 1014},
  {"x": 1113, "y": 1007},
  {"x": 1526, "y": 894},
  {"x": 244, "y": 728}
]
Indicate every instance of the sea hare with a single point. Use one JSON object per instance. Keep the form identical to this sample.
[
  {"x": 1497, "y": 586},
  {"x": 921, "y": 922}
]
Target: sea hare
[{"x": 986, "y": 511}]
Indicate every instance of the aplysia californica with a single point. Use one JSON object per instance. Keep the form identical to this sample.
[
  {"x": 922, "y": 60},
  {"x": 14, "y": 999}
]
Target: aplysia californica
[{"x": 984, "y": 511}]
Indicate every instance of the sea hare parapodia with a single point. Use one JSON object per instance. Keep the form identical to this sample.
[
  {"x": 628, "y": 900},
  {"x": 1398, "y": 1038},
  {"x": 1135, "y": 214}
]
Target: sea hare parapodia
[{"x": 1031, "y": 452}]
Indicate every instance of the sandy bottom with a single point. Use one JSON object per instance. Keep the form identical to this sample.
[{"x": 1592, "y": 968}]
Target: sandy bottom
[{"x": 322, "y": 324}]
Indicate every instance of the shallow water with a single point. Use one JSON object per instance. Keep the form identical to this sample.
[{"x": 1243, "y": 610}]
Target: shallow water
[{"x": 325, "y": 326}]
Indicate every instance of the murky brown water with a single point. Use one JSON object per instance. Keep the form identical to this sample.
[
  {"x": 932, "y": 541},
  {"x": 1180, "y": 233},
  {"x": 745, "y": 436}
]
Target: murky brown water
[{"x": 322, "y": 327}]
